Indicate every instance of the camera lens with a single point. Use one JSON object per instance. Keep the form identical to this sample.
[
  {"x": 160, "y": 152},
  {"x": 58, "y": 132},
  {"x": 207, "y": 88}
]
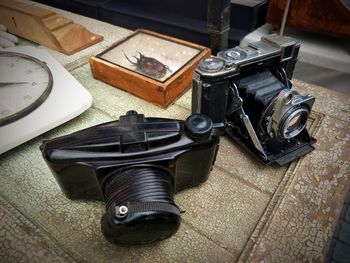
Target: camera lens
[
  {"x": 140, "y": 206},
  {"x": 294, "y": 122},
  {"x": 212, "y": 64}
]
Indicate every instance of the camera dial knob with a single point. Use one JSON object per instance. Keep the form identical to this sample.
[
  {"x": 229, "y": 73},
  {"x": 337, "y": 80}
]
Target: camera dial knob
[
  {"x": 198, "y": 126},
  {"x": 211, "y": 64},
  {"x": 233, "y": 54}
]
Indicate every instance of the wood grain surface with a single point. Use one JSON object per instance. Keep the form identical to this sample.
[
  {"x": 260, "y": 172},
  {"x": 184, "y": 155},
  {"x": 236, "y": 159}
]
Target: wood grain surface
[
  {"x": 330, "y": 17},
  {"x": 45, "y": 27}
]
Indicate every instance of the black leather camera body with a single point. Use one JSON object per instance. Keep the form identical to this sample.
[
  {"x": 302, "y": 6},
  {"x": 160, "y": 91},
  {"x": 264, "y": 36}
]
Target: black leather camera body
[
  {"x": 246, "y": 91},
  {"x": 135, "y": 165}
]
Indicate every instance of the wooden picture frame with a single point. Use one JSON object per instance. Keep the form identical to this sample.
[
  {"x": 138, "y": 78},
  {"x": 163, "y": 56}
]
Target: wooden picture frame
[{"x": 116, "y": 66}]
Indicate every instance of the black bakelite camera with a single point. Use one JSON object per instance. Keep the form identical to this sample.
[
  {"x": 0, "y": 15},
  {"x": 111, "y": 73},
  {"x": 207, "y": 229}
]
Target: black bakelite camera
[
  {"x": 247, "y": 93},
  {"x": 135, "y": 165}
]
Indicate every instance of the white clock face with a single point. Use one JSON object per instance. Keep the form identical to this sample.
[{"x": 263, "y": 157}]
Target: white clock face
[{"x": 25, "y": 83}]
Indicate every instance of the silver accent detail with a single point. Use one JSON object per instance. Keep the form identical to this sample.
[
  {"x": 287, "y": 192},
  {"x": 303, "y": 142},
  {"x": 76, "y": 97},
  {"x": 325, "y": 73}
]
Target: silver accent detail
[
  {"x": 285, "y": 102},
  {"x": 198, "y": 82},
  {"x": 207, "y": 64},
  {"x": 245, "y": 118},
  {"x": 252, "y": 134},
  {"x": 268, "y": 47},
  {"x": 123, "y": 210},
  {"x": 285, "y": 124},
  {"x": 233, "y": 54}
]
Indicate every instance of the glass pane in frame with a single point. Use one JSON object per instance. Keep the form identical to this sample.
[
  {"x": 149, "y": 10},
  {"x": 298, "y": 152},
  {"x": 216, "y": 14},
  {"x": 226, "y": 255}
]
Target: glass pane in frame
[{"x": 150, "y": 55}]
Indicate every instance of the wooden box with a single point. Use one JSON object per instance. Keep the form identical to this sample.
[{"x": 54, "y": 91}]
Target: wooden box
[{"x": 149, "y": 65}]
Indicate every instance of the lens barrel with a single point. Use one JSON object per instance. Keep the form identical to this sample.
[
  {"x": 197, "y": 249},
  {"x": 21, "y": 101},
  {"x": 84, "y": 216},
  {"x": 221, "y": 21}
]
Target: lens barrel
[
  {"x": 294, "y": 122},
  {"x": 140, "y": 206}
]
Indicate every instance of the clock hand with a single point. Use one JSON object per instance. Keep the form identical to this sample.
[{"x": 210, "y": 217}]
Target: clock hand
[{"x": 3, "y": 84}]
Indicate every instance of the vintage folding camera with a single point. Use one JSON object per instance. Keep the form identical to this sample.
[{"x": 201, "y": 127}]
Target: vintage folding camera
[
  {"x": 135, "y": 165},
  {"x": 247, "y": 93}
]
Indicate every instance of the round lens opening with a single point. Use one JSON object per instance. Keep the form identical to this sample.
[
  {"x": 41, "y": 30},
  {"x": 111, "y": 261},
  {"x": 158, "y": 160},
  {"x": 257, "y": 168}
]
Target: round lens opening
[{"x": 294, "y": 123}]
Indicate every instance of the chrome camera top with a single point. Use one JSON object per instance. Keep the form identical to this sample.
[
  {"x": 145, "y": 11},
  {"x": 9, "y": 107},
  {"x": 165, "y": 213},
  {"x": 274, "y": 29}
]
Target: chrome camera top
[{"x": 247, "y": 92}]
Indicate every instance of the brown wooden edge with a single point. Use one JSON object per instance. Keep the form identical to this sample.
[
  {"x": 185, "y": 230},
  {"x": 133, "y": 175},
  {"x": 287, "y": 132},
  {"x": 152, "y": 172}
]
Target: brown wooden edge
[
  {"x": 162, "y": 94},
  {"x": 59, "y": 38},
  {"x": 121, "y": 77},
  {"x": 177, "y": 83}
]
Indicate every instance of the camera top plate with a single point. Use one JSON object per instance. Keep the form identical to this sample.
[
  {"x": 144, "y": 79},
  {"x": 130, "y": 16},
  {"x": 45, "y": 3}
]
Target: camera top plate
[{"x": 272, "y": 46}]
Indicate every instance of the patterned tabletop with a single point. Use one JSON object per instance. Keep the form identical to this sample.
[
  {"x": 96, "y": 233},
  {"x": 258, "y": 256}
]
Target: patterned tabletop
[{"x": 245, "y": 211}]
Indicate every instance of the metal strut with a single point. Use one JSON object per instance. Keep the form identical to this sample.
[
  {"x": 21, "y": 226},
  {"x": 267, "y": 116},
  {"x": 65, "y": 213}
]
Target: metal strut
[{"x": 245, "y": 118}]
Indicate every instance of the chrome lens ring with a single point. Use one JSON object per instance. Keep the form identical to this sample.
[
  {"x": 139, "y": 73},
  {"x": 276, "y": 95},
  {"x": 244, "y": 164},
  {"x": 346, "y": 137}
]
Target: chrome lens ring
[{"x": 294, "y": 122}]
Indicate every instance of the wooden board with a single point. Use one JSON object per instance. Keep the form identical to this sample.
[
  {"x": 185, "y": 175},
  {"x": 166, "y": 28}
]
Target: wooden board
[
  {"x": 45, "y": 27},
  {"x": 160, "y": 93},
  {"x": 55, "y": 22},
  {"x": 331, "y": 17}
]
